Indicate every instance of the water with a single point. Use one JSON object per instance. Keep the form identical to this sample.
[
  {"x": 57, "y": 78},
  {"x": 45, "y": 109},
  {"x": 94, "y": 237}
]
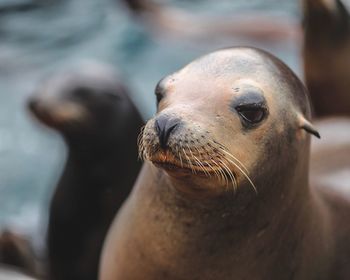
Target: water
[{"x": 38, "y": 40}]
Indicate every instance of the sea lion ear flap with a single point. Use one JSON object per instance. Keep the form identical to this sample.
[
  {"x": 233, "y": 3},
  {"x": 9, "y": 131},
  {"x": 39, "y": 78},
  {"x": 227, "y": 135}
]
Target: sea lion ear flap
[{"x": 308, "y": 127}]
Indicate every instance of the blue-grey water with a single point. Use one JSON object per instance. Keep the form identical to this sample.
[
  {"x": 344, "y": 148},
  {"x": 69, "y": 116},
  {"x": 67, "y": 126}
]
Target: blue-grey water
[{"x": 39, "y": 40}]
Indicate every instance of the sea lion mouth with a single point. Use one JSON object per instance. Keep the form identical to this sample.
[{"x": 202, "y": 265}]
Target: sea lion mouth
[
  {"x": 181, "y": 169},
  {"x": 194, "y": 154},
  {"x": 169, "y": 162},
  {"x": 44, "y": 115},
  {"x": 172, "y": 168}
]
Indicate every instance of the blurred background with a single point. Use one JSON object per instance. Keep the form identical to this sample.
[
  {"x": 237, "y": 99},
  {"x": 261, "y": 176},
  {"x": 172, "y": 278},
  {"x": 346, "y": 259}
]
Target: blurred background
[{"x": 38, "y": 38}]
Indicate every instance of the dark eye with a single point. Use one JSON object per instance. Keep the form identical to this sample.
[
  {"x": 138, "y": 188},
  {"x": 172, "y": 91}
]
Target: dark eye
[
  {"x": 159, "y": 97},
  {"x": 252, "y": 113},
  {"x": 82, "y": 92},
  {"x": 159, "y": 94}
]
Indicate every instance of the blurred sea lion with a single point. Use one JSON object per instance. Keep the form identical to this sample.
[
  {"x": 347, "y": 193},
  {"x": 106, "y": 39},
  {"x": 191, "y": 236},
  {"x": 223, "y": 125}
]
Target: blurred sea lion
[
  {"x": 326, "y": 54},
  {"x": 175, "y": 22},
  {"x": 92, "y": 110}
]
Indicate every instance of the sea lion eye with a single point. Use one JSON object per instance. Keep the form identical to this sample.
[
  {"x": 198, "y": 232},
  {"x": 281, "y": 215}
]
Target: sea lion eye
[
  {"x": 159, "y": 96},
  {"x": 251, "y": 113},
  {"x": 159, "y": 92},
  {"x": 250, "y": 105},
  {"x": 82, "y": 92}
]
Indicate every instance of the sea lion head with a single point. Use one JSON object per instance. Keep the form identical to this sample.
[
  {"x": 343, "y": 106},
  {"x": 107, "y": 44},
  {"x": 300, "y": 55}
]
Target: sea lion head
[
  {"x": 233, "y": 118},
  {"x": 87, "y": 102}
]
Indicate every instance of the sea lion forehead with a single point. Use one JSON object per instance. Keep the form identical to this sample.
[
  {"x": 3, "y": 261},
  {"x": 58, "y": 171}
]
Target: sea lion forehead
[
  {"x": 223, "y": 69},
  {"x": 218, "y": 70},
  {"x": 257, "y": 65},
  {"x": 240, "y": 61}
]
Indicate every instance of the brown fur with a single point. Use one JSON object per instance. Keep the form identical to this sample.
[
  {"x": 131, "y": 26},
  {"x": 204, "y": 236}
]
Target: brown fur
[{"x": 179, "y": 224}]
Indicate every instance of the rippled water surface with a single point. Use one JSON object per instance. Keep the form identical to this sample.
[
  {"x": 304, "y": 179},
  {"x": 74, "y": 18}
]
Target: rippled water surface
[{"x": 39, "y": 37}]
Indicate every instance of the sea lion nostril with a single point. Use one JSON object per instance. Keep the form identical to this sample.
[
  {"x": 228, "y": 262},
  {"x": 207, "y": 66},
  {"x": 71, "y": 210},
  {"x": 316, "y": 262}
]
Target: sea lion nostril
[{"x": 164, "y": 126}]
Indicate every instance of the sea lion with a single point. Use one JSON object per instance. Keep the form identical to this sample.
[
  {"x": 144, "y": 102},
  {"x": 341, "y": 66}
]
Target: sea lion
[
  {"x": 176, "y": 22},
  {"x": 224, "y": 192},
  {"x": 98, "y": 121},
  {"x": 326, "y": 56}
]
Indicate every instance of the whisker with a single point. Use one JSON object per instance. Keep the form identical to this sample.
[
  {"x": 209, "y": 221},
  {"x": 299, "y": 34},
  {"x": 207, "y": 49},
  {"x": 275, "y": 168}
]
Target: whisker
[
  {"x": 212, "y": 168},
  {"x": 207, "y": 163},
  {"x": 140, "y": 136},
  {"x": 197, "y": 160},
  {"x": 217, "y": 173},
  {"x": 233, "y": 179},
  {"x": 201, "y": 166},
  {"x": 245, "y": 175},
  {"x": 200, "y": 159},
  {"x": 236, "y": 159},
  {"x": 189, "y": 162},
  {"x": 141, "y": 144},
  {"x": 244, "y": 172},
  {"x": 224, "y": 149},
  {"x": 224, "y": 174},
  {"x": 179, "y": 154},
  {"x": 220, "y": 172}
]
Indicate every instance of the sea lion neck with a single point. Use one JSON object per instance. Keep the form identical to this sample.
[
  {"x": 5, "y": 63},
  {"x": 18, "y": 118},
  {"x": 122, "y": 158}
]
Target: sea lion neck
[
  {"x": 103, "y": 155},
  {"x": 230, "y": 231},
  {"x": 272, "y": 203},
  {"x": 106, "y": 142},
  {"x": 280, "y": 184},
  {"x": 91, "y": 144}
]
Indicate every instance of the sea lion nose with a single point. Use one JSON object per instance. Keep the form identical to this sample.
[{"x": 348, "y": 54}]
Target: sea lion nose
[{"x": 165, "y": 125}]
